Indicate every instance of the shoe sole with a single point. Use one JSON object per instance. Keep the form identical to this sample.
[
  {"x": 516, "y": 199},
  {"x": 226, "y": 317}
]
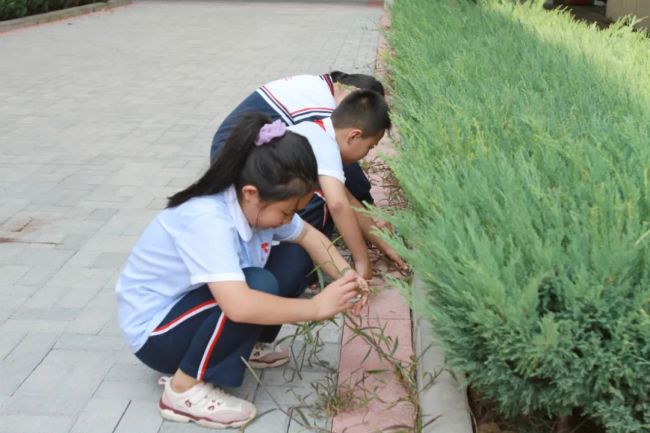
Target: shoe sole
[
  {"x": 260, "y": 364},
  {"x": 172, "y": 415}
]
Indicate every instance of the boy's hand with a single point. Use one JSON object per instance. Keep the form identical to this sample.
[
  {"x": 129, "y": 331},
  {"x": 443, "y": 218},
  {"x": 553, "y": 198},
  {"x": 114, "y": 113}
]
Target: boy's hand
[
  {"x": 364, "y": 269},
  {"x": 389, "y": 252},
  {"x": 384, "y": 225}
]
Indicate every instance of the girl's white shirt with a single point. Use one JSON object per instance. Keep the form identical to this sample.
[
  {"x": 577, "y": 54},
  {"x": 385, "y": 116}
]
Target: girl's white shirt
[
  {"x": 300, "y": 98},
  {"x": 206, "y": 239}
]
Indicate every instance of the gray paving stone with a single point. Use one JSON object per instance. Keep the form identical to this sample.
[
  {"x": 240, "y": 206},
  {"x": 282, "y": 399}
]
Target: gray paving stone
[
  {"x": 312, "y": 357},
  {"x": 11, "y": 274},
  {"x": 94, "y": 343},
  {"x": 16, "y": 367},
  {"x": 9, "y": 341},
  {"x": 38, "y": 275},
  {"x": 148, "y": 390},
  {"x": 313, "y": 424},
  {"x": 48, "y": 295},
  {"x": 140, "y": 416},
  {"x": 298, "y": 394},
  {"x": 126, "y": 357},
  {"x": 248, "y": 389},
  {"x": 100, "y": 415},
  {"x": 77, "y": 297},
  {"x": 55, "y": 328},
  {"x": 9, "y": 250},
  {"x": 111, "y": 328},
  {"x": 91, "y": 146},
  {"x": 133, "y": 373},
  {"x": 45, "y": 257},
  {"x": 93, "y": 320},
  {"x": 13, "y": 423},
  {"x": 53, "y": 404},
  {"x": 80, "y": 277},
  {"x": 21, "y": 290},
  {"x": 269, "y": 419},
  {"x": 9, "y": 305},
  {"x": 74, "y": 373},
  {"x": 49, "y": 314}
]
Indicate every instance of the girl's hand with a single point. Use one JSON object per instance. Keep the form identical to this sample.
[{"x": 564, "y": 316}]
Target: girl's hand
[
  {"x": 336, "y": 297},
  {"x": 361, "y": 299}
]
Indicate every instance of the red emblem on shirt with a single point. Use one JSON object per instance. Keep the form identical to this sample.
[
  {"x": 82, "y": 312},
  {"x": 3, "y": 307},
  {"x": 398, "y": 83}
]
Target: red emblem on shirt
[{"x": 265, "y": 247}]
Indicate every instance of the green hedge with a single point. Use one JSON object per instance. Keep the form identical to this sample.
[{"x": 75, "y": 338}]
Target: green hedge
[
  {"x": 10, "y": 9},
  {"x": 525, "y": 158}
]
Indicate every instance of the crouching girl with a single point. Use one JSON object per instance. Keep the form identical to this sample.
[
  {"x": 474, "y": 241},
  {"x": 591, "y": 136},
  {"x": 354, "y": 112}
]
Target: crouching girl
[{"x": 194, "y": 296}]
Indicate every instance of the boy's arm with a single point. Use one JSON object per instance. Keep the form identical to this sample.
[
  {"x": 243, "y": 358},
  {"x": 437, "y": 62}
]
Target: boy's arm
[
  {"x": 323, "y": 252},
  {"x": 369, "y": 227},
  {"x": 346, "y": 223}
]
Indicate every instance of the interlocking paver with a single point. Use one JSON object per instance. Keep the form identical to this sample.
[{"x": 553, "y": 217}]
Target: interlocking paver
[
  {"x": 141, "y": 416},
  {"x": 68, "y": 372},
  {"x": 102, "y": 117},
  {"x": 16, "y": 367},
  {"x": 100, "y": 415},
  {"x": 9, "y": 341},
  {"x": 12, "y": 423}
]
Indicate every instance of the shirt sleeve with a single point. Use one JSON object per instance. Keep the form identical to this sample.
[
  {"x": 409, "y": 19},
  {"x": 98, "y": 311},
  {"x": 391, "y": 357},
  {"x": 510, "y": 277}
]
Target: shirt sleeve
[
  {"x": 326, "y": 150},
  {"x": 291, "y": 231},
  {"x": 208, "y": 246}
]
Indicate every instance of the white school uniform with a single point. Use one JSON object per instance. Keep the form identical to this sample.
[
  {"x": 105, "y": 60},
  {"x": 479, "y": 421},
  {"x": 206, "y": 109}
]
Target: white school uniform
[
  {"x": 300, "y": 97},
  {"x": 322, "y": 140},
  {"x": 206, "y": 239}
]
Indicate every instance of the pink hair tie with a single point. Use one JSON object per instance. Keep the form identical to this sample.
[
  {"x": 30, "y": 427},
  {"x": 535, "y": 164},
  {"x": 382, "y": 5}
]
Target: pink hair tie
[{"x": 270, "y": 131}]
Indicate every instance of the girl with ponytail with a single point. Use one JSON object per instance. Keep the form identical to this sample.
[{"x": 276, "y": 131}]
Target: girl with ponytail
[{"x": 194, "y": 298}]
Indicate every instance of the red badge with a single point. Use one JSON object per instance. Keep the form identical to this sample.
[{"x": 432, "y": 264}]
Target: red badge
[{"x": 265, "y": 247}]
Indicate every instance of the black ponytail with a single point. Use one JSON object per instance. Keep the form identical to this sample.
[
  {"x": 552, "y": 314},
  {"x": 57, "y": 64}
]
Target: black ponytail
[
  {"x": 282, "y": 168},
  {"x": 360, "y": 81}
]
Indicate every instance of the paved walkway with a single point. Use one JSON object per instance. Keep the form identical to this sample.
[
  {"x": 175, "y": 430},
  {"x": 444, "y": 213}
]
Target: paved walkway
[{"x": 101, "y": 118}]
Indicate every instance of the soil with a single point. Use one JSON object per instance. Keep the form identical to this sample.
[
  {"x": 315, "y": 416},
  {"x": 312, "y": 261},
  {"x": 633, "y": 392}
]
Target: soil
[{"x": 486, "y": 419}]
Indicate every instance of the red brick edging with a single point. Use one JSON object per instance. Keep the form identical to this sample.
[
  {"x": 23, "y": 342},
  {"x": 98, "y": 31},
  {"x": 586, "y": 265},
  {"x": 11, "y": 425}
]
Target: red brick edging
[{"x": 388, "y": 402}]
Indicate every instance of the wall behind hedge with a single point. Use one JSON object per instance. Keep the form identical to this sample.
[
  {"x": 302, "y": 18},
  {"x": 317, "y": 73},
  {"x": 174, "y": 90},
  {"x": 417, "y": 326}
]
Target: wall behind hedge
[
  {"x": 526, "y": 162},
  {"x": 10, "y": 9}
]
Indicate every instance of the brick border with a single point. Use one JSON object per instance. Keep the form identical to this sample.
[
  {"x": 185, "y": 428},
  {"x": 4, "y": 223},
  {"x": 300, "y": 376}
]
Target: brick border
[
  {"x": 33, "y": 20},
  {"x": 446, "y": 398}
]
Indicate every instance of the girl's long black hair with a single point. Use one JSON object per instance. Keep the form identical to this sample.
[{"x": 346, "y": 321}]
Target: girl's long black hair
[
  {"x": 283, "y": 168},
  {"x": 360, "y": 81}
]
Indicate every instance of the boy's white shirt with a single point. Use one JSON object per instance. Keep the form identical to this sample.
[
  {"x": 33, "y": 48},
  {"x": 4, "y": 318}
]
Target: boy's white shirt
[
  {"x": 206, "y": 239},
  {"x": 323, "y": 143}
]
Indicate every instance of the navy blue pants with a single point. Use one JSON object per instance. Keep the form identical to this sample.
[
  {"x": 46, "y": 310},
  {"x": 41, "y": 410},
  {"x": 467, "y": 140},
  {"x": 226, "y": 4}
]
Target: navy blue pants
[
  {"x": 197, "y": 337},
  {"x": 295, "y": 278}
]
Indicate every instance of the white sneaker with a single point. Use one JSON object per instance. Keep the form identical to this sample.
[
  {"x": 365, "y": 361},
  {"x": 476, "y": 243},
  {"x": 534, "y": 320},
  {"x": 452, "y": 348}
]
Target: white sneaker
[
  {"x": 267, "y": 355},
  {"x": 205, "y": 405}
]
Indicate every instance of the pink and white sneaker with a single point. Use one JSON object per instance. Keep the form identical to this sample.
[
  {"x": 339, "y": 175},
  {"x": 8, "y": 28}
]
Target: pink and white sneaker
[
  {"x": 204, "y": 404},
  {"x": 267, "y": 355}
]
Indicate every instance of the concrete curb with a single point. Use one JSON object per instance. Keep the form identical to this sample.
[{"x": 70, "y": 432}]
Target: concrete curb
[
  {"x": 61, "y": 14},
  {"x": 445, "y": 398}
]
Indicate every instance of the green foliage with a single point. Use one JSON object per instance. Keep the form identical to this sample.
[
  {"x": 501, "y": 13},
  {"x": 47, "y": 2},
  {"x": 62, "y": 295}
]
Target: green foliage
[
  {"x": 525, "y": 160},
  {"x": 10, "y": 9}
]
